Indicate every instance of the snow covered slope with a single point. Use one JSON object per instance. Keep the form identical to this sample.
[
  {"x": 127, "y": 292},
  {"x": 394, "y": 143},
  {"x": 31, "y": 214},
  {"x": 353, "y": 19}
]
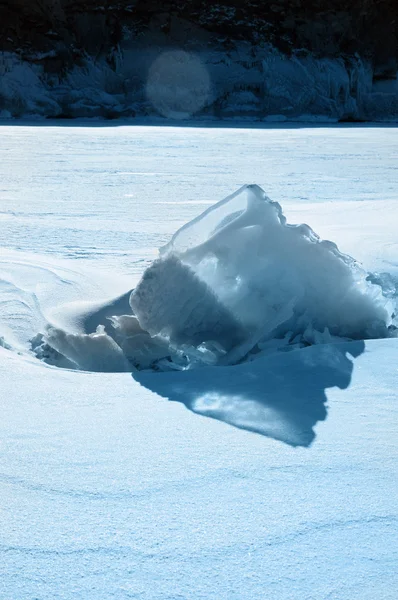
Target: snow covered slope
[{"x": 271, "y": 479}]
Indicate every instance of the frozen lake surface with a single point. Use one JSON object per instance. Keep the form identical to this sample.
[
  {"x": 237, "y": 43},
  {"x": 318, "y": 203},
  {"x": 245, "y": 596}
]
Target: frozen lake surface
[
  {"x": 275, "y": 479},
  {"x": 112, "y": 193}
]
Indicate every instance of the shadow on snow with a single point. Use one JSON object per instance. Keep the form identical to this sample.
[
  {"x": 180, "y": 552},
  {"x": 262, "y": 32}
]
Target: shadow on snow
[{"x": 282, "y": 396}]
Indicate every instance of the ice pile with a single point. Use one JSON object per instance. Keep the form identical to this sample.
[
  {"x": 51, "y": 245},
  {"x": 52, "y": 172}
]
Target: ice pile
[{"x": 234, "y": 283}]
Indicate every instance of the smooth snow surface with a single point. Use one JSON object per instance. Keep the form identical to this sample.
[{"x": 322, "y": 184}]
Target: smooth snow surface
[{"x": 274, "y": 478}]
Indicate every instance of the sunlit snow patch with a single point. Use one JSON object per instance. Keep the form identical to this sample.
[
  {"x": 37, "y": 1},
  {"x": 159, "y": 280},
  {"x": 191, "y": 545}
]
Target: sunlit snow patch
[{"x": 232, "y": 284}]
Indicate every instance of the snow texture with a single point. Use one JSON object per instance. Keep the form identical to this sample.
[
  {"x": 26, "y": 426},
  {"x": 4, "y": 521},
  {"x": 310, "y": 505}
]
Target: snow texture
[{"x": 274, "y": 478}]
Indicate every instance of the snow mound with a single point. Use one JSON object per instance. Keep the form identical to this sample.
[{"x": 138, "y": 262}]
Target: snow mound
[{"x": 236, "y": 282}]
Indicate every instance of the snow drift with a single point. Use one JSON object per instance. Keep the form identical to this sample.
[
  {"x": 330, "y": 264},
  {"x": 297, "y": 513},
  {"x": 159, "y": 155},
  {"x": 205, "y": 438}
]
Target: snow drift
[{"x": 236, "y": 282}]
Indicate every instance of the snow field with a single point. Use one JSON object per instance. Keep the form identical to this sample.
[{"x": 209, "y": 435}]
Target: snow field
[{"x": 275, "y": 478}]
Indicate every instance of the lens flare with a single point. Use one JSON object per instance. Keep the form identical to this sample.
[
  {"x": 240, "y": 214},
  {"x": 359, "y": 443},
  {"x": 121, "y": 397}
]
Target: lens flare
[{"x": 178, "y": 84}]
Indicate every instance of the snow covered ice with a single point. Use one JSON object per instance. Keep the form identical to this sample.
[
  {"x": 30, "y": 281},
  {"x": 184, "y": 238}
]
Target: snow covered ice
[
  {"x": 273, "y": 478},
  {"x": 229, "y": 282}
]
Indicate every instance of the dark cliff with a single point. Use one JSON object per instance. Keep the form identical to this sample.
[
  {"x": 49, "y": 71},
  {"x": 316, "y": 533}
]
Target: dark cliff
[{"x": 58, "y": 36}]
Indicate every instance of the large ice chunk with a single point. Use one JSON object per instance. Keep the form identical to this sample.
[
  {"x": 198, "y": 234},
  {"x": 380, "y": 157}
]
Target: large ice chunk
[
  {"x": 239, "y": 274},
  {"x": 236, "y": 282},
  {"x": 171, "y": 300}
]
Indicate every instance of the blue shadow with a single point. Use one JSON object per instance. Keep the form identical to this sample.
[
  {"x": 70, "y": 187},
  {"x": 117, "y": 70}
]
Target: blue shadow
[{"x": 281, "y": 396}]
